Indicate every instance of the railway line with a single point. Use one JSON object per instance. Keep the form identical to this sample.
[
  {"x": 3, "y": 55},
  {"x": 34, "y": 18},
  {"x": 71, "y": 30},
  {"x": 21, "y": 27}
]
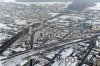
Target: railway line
[
  {"x": 8, "y": 43},
  {"x": 43, "y": 50}
]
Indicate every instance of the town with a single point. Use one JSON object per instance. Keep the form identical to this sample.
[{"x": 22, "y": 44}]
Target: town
[{"x": 57, "y": 25}]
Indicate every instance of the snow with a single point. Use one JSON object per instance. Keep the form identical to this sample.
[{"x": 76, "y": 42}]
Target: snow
[
  {"x": 55, "y": 64},
  {"x": 2, "y": 57},
  {"x": 76, "y": 18},
  {"x": 65, "y": 16},
  {"x": 1, "y": 63},
  {"x": 63, "y": 63},
  {"x": 13, "y": 62},
  {"x": 97, "y": 43},
  {"x": 89, "y": 57},
  {"x": 53, "y": 14},
  {"x": 4, "y": 26},
  {"x": 20, "y": 22},
  {"x": 62, "y": 21},
  {"x": 42, "y": 3},
  {"x": 66, "y": 52},
  {"x": 15, "y": 29},
  {"x": 2, "y": 36},
  {"x": 52, "y": 41},
  {"x": 55, "y": 19},
  {"x": 16, "y": 60},
  {"x": 7, "y": 53},
  {"x": 72, "y": 64},
  {"x": 50, "y": 56},
  {"x": 96, "y": 7},
  {"x": 19, "y": 49},
  {"x": 23, "y": 62},
  {"x": 7, "y": 15},
  {"x": 96, "y": 22}
]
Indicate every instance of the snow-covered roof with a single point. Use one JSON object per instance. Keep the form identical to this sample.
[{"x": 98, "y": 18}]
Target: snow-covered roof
[
  {"x": 19, "y": 49},
  {"x": 23, "y": 62},
  {"x": 67, "y": 52},
  {"x": 55, "y": 19},
  {"x": 65, "y": 16},
  {"x": 53, "y": 14},
  {"x": 20, "y": 22},
  {"x": 4, "y": 26}
]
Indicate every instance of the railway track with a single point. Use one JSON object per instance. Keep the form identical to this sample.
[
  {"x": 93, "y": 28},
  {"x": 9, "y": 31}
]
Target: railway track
[
  {"x": 45, "y": 48},
  {"x": 10, "y": 42},
  {"x": 53, "y": 46}
]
